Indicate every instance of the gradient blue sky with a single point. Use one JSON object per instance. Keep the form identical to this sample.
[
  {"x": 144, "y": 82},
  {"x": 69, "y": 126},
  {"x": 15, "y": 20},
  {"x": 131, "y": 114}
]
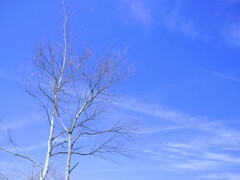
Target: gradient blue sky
[{"x": 184, "y": 92}]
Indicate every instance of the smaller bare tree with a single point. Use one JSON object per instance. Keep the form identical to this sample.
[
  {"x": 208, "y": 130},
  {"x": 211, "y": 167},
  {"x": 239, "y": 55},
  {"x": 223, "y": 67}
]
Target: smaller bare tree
[{"x": 12, "y": 149}]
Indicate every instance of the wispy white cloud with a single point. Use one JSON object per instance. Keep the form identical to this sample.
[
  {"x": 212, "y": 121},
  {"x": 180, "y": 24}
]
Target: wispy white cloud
[
  {"x": 222, "y": 157},
  {"x": 136, "y": 11},
  {"x": 175, "y": 21},
  {"x": 173, "y": 17},
  {"x": 8, "y": 75},
  {"x": 190, "y": 157},
  {"x": 159, "y": 129},
  {"x": 32, "y": 147},
  {"x": 27, "y": 148},
  {"x": 210, "y": 133},
  {"x": 230, "y": 2},
  {"x": 231, "y": 34},
  {"x": 221, "y": 175},
  {"x": 225, "y": 76},
  {"x": 15, "y": 74},
  {"x": 179, "y": 145},
  {"x": 125, "y": 169},
  {"x": 139, "y": 11},
  {"x": 197, "y": 165},
  {"x": 180, "y": 118},
  {"x": 205, "y": 144},
  {"x": 13, "y": 123},
  {"x": 189, "y": 29},
  {"x": 149, "y": 151}
]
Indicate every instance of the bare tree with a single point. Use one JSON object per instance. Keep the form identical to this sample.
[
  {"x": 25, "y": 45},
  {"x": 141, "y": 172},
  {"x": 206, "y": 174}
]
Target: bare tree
[
  {"x": 75, "y": 92},
  {"x": 13, "y": 150}
]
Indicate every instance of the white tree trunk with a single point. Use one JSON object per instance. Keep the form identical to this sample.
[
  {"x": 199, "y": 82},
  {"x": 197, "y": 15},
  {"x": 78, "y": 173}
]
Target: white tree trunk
[
  {"x": 68, "y": 170},
  {"x": 50, "y": 141}
]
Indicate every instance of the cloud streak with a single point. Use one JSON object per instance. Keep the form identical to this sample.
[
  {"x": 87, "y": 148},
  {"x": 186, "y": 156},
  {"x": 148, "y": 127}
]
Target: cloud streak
[
  {"x": 168, "y": 113},
  {"x": 32, "y": 147},
  {"x": 190, "y": 157},
  {"x": 221, "y": 75},
  {"x": 221, "y": 176},
  {"x": 199, "y": 144}
]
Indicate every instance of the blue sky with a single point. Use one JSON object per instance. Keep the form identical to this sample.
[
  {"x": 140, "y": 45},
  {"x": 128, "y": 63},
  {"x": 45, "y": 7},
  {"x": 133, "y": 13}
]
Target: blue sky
[{"x": 184, "y": 92}]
